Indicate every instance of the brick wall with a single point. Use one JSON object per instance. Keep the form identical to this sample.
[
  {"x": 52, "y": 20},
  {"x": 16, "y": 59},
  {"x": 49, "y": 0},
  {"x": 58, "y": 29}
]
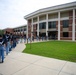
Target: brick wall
[
  {"x": 69, "y": 29},
  {"x": 61, "y": 30},
  {"x": 57, "y": 29},
  {"x": 29, "y": 28},
  {"x": 70, "y": 24},
  {"x": 75, "y": 24},
  {"x": 9, "y": 30},
  {"x": 35, "y": 30}
]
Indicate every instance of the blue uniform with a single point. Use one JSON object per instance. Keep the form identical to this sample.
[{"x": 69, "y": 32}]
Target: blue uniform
[
  {"x": 2, "y": 50},
  {"x": 8, "y": 43},
  {"x": 14, "y": 41},
  {"x": 6, "y": 40}
]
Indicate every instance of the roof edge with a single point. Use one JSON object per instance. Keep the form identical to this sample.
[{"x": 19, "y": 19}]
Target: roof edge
[{"x": 51, "y": 8}]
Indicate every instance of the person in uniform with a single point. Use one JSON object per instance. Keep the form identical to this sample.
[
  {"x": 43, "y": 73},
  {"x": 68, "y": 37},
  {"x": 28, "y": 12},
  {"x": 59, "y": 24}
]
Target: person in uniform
[
  {"x": 6, "y": 39},
  {"x": 24, "y": 38},
  {"x": 1, "y": 49}
]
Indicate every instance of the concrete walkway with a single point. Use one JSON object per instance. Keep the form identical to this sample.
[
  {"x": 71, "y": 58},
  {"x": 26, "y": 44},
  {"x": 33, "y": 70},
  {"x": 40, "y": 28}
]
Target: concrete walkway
[{"x": 17, "y": 63}]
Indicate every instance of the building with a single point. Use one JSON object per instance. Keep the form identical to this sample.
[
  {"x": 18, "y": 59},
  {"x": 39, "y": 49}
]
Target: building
[
  {"x": 57, "y": 21},
  {"x": 20, "y": 30},
  {"x": 8, "y": 30}
]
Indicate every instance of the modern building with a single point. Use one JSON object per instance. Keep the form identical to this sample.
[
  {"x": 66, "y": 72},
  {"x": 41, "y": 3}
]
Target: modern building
[{"x": 57, "y": 21}]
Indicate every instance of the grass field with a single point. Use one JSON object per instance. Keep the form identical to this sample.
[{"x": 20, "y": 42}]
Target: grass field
[{"x": 54, "y": 49}]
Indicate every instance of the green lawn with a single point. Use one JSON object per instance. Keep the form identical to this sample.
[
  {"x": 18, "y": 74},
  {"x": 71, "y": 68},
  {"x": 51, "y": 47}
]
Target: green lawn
[{"x": 54, "y": 49}]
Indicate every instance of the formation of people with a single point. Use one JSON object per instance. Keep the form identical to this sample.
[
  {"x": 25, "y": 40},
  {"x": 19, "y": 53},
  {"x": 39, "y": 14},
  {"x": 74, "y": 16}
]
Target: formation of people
[{"x": 8, "y": 41}]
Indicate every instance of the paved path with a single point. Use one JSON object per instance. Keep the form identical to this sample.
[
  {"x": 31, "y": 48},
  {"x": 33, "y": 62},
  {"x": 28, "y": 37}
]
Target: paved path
[{"x": 17, "y": 63}]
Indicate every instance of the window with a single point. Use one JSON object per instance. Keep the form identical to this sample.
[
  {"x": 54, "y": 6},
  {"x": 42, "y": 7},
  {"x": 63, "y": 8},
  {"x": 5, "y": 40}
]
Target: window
[
  {"x": 52, "y": 24},
  {"x": 42, "y": 25},
  {"x": 15, "y": 30},
  {"x": 18, "y": 30},
  {"x": 21, "y": 29},
  {"x": 65, "y": 23},
  {"x": 65, "y": 34},
  {"x": 25, "y": 29}
]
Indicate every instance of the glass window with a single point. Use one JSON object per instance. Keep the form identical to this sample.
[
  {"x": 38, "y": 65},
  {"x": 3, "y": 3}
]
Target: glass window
[
  {"x": 21, "y": 29},
  {"x": 65, "y": 34},
  {"x": 14, "y": 30},
  {"x": 18, "y": 30},
  {"x": 25, "y": 29},
  {"x": 52, "y": 24},
  {"x": 42, "y": 25},
  {"x": 65, "y": 23}
]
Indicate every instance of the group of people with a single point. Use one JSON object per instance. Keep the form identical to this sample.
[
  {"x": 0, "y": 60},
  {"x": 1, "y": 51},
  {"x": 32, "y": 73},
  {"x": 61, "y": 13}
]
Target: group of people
[{"x": 7, "y": 42}]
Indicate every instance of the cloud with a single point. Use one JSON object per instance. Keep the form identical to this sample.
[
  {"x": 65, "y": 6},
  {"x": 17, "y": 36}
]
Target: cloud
[{"x": 12, "y": 12}]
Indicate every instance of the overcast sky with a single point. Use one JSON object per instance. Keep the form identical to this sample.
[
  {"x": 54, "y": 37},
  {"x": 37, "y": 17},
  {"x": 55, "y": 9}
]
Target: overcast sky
[{"x": 12, "y": 12}]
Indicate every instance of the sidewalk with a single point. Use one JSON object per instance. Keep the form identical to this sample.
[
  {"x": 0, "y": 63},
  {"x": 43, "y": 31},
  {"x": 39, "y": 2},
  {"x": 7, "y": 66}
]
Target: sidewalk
[{"x": 17, "y": 63}]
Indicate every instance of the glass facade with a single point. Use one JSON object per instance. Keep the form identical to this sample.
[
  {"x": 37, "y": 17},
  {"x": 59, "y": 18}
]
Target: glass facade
[
  {"x": 65, "y": 23},
  {"x": 65, "y": 34},
  {"x": 24, "y": 29},
  {"x": 42, "y": 25},
  {"x": 52, "y": 24}
]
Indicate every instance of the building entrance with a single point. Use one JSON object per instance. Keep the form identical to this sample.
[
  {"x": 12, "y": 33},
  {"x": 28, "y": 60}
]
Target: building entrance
[
  {"x": 52, "y": 35},
  {"x": 42, "y": 34}
]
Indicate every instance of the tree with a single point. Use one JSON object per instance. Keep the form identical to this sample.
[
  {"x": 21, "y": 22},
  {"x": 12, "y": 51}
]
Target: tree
[{"x": 1, "y": 31}]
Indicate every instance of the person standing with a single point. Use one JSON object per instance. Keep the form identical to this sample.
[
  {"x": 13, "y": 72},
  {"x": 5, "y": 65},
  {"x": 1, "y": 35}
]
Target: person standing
[
  {"x": 1, "y": 49},
  {"x": 24, "y": 38},
  {"x": 8, "y": 43},
  {"x": 5, "y": 40}
]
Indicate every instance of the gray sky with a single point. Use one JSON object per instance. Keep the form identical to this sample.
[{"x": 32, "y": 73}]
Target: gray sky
[{"x": 12, "y": 12}]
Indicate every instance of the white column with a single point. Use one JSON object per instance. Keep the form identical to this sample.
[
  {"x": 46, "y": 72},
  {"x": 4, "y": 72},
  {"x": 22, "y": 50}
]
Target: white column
[
  {"x": 58, "y": 25},
  {"x": 46, "y": 25},
  {"x": 27, "y": 29},
  {"x": 38, "y": 27},
  {"x": 32, "y": 25},
  {"x": 73, "y": 26}
]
